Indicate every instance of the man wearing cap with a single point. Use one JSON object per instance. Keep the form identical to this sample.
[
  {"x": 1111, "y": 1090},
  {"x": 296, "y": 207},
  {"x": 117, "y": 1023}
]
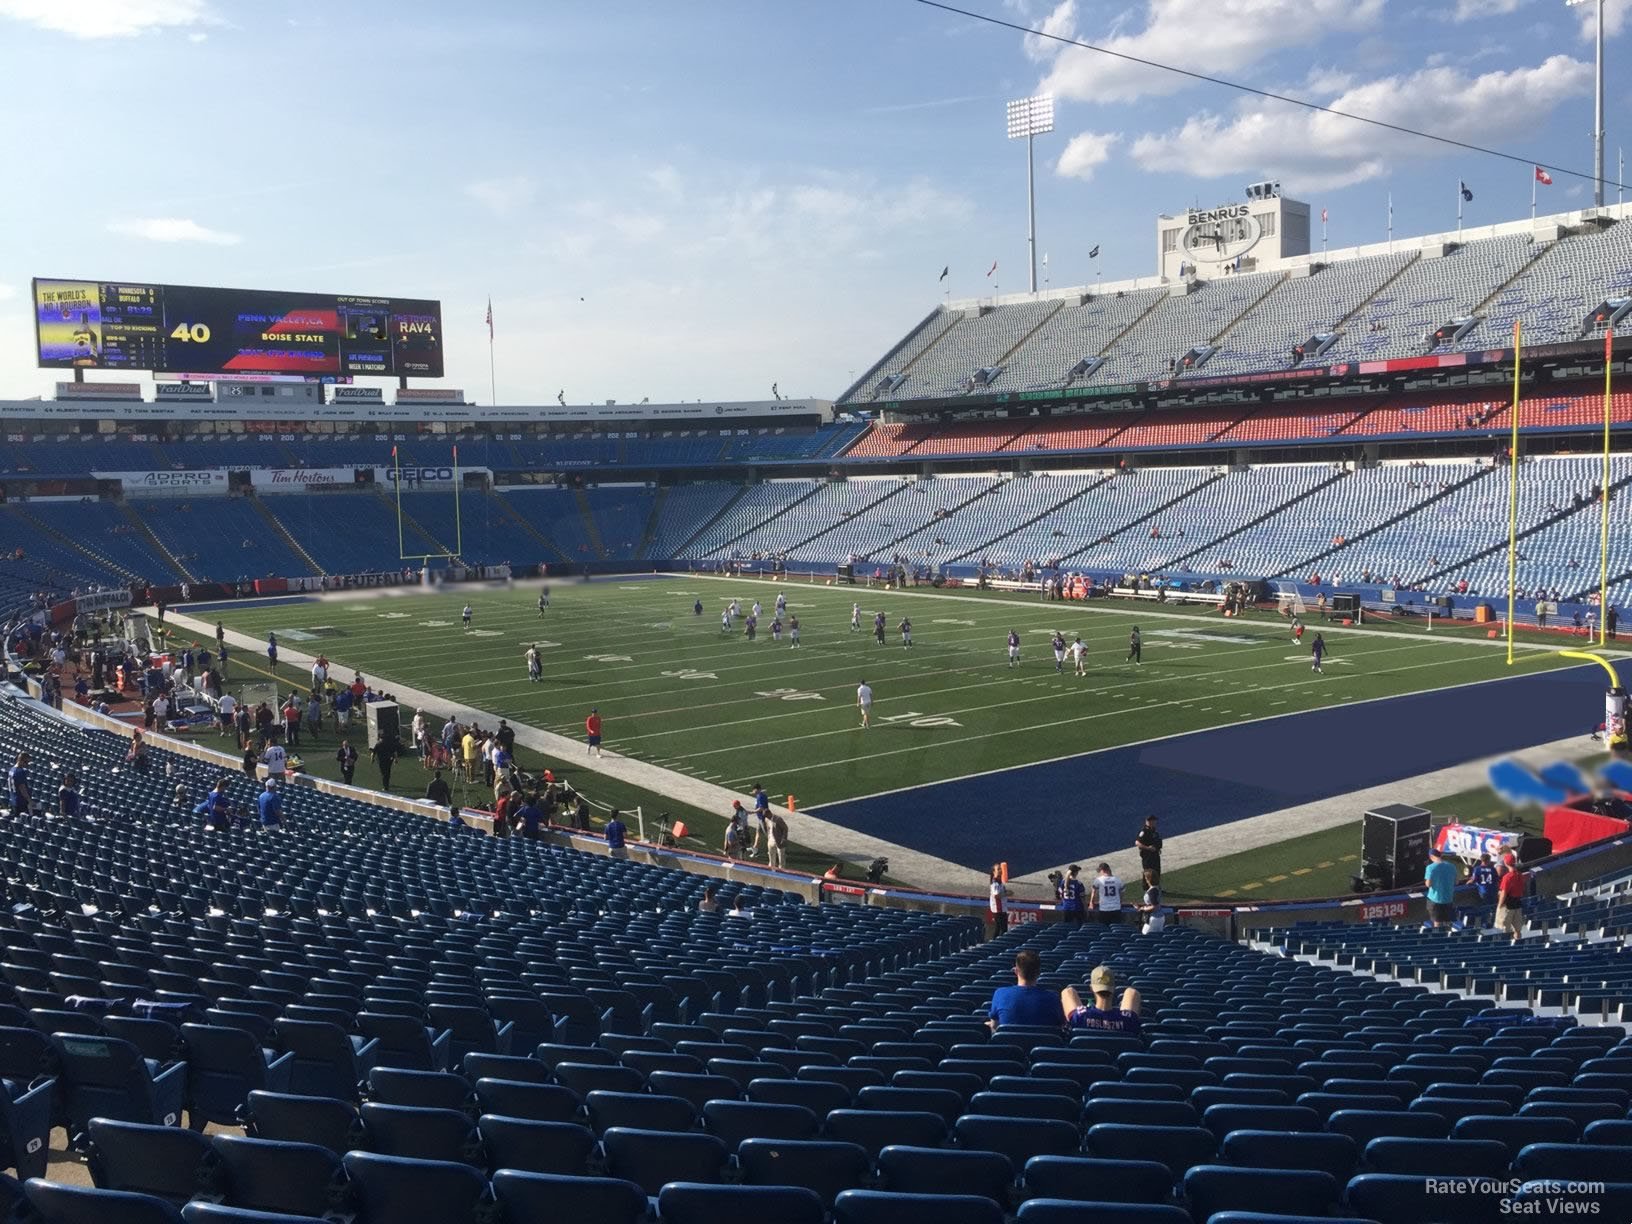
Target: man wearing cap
[
  {"x": 1025, "y": 1002},
  {"x": 270, "y": 806},
  {"x": 1440, "y": 877},
  {"x": 1103, "y": 1014}
]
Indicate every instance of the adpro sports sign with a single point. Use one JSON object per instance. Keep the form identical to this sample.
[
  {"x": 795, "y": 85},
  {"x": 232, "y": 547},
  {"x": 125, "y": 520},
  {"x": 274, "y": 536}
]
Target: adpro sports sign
[{"x": 168, "y": 484}]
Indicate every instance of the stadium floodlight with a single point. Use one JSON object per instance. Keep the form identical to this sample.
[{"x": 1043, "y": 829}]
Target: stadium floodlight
[
  {"x": 1028, "y": 119},
  {"x": 1598, "y": 111}
]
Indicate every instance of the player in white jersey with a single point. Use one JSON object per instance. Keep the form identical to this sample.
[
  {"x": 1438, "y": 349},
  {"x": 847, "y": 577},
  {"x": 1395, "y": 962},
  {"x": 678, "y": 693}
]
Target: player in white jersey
[
  {"x": 757, "y": 609},
  {"x": 781, "y": 604},
  {"x": 1058, "y": 642},
  {"x": 465, "y": 616},
  {"x": 1014, "y": 648},
  {"x": 735, "y": 609},
  {"x": 855, "y": 618},
  {"x": 864, "y": 703},
  {"x": 535, "y": 668},
  {"x": 1079, "y": 655},
  {"x": 725, "y": 621}
]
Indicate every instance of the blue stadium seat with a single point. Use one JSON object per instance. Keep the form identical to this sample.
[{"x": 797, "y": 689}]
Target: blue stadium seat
[
  {"x": 652, "y": 1159},
  {"x": 642, "y": 1110},
  {"x": 504, "y": 1066},
  {"x": 1222, "y": 1119},
  {"x": 1402, "y": 1198},
  {"x": 218, "y": 1213},
  {"x": 916, "y": 1170},
  {"x": 873, "y": 1130},
  {"x": 1517, "y": 1133},
  {"x": 1437, "y": 1157},
  {"x": 1324, "y": 1152},
  {"x": 162, "y": 1161},
  {"x": 423, "y": 1089},
  {"x": 527, "y": 1198},
  {"x": 1139, "y": 1113},
  {"x": 536, "y": 1147},
  {"x": 224, "y": 1065},
  {"x": 884, "y": 1207},
  {"x": 942, "y": 1101},
  {"x": 698, "y": 1089},
  {"x": 52, "y": 1203},
  {"x": 1025, "y": 1105},
  {"x": 1571, "y": 1161},
  {"x": 821, "y": 1098},
  {"x": 1092, "y": 1179},
  {"x": 1082, "y": 1211},
  {"x": 389, "y": 1189},
  {"x": 825, "y": 1166},
  {"x": 1177, "y": 1147},
  {"x": 422, "y": 1134},
  {"x": 273, "y": 1175},
  {"x": 1214, "y": 1188},
  {"x": 522, "y": 1099},
  {"x": 688, "y": 1203},
  {"x": 104, "y": 1077},
  {"x": 405, "y": 1041},
  {"x": 327, "y": 1061},
  {"x": 26, "y": 1108},
  {"x": 1364, "y": 1125},
  {"x": 734, "y": 1121},
  {"x": 1598, "y": 1199},
  {"x": 472, "y": 1030},
  {"x": 327, "y": 1122}
]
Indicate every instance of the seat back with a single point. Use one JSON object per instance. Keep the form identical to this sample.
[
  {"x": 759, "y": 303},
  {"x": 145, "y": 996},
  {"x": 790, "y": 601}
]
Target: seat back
[
  {"x": 422, "y": 1134},
  {"x": 164, "y": 1161},
  {"x": 1092, "y": 1179},
  {"x": 536, "y": 1147},
  {"x": 394, "y": 1188},
  {"x": 916, "y": 1170},
  {"x": 885, "y": 1207},
  {"x": 325, "y": 1121},
  {"x": 540, "y": 1196},
  {"x": 689, "y": 1203},
  {"x": 54, "y": 1203},
  {"x": 274, "y": 1175},
  {"x": 652, "y": 1159},
  {"x": 827, "y": 1167}
]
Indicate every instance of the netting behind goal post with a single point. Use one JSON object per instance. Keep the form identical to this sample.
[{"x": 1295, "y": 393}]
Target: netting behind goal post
[{"x": 1288, "y": 599}]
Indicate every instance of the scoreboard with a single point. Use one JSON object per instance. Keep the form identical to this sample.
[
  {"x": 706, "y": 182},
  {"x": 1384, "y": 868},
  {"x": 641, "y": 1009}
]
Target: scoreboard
[{"x": 100, "y": 325}]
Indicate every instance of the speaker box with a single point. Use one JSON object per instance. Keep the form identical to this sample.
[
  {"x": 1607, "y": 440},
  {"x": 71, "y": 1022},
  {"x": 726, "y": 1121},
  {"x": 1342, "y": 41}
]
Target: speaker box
[
  {"x": 1394, "y": 843},
  {"x": 383, "y": 721}
]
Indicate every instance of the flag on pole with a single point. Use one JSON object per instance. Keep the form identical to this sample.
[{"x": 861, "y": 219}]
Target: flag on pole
[
  {"x": 490, "y": 318},
  {"x": 1466, "y": 194},
  {"x": 1542, "y": 177},
  {"x": 1323, "y": 216},
  {"x": 1094, "y": 254},
  {"x": 944, "y": 271},
  {"x": 991, "y": 269},
  {"x": 393, "y": 452}
]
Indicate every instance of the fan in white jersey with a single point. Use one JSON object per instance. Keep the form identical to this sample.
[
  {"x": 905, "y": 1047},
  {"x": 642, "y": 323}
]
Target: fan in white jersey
[
  {"x": 855, "y": 618},
  {"x": 1079, "y": 655},
  {"x": 864, "y": 703},
  {"x": 1107, "y": 896}
]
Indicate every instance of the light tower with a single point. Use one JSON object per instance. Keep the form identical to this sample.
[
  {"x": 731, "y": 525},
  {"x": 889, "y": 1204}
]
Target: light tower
[
  {"x": 1598, "y": 111},
  {"x": 1028, "y": 119}
]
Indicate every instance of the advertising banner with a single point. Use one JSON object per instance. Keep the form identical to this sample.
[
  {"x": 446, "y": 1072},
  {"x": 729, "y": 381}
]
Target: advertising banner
[
  {"x": 168, "y": 484},
  {"x": 301, "y": 480}
]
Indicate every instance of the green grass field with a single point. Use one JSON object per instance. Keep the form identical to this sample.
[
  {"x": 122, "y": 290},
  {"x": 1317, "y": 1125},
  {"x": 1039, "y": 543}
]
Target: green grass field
[{"x": 677, "y": 692}]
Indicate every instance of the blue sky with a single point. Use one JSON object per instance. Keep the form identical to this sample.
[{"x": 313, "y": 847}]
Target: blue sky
[{"x": 694, "y": 200}]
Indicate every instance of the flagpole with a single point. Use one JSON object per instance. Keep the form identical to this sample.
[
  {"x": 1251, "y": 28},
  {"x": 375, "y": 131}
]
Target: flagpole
[
  {"x": 1390, "y": 222},
  {"x": 1459, "y": 212},
  {"x": 1603, "y": 498},
  {"x": 1533, "y": 181},
  {"x": 492, "y": 376},
  {"x": 1513, "y": 496},
  {"x": 1323, "y": 232}
]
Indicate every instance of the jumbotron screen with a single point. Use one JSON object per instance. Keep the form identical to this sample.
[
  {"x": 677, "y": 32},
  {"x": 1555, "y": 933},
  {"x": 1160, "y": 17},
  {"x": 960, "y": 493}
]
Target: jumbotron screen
[{"x": 99, "y": 325}]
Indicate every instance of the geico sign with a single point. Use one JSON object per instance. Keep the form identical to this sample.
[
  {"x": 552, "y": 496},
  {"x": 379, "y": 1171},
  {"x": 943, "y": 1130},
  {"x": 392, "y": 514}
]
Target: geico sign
[{"x": 423, "y": 475}]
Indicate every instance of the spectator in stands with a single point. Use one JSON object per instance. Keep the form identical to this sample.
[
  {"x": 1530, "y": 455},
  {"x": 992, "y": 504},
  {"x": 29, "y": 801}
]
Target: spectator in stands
[
  {"x": 1510, "y": 889},
  {"x": 1070, "y": 895},
  {"x": 346, "y": 758},
  {"x": 529, "y": 817},
  {"x": 276, "y": 761},
  {"x": 1149, "y": 844},
  {"x": 708, "y": 905},
  {"x": 438, "y": 791},
  {"x": 68, "y": 795},
  {"x": 1482, "y": 876},
  {"x": 136, "y": 755},
  {"x": 1150, "y": 908},
  {"x": 616, "y": 835},
  {"x": 269, "y": 805},
  {"x": 1440, "y": 878},
  {"x": 1025, "y": 1002},
  {"x": 1105, "y": 1013},
  {"x": 216, "y": 807}
]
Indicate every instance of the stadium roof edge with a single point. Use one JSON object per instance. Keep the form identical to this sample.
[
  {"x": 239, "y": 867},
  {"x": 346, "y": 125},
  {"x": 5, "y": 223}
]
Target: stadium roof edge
[{"x": 1552, "y": 222}]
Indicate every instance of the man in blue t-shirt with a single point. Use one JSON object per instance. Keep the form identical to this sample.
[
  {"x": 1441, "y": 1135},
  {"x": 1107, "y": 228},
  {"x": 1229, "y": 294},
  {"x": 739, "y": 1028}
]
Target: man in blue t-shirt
[
  {"x": 616, "y": 831},
  {"x": 530, "y": 817},
  {"x": 1106, "y": 1013},
  {"x": 22, "y": 792},
  {"x": 1026, "y": 1002},
  {"x": 1440, "y": 877},
  {"x": 270, "y": 805}
]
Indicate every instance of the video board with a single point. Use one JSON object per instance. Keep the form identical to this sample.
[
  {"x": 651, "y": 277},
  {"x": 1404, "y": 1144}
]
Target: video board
[{"x": 102, "y": 325}]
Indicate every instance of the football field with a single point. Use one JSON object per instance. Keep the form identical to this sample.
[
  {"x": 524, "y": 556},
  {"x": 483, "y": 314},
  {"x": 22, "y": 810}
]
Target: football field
[{"x": 951, "y": 716}]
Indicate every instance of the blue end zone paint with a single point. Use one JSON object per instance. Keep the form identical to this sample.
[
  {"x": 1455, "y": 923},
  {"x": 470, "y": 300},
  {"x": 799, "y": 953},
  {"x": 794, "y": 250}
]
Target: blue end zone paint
[
  {"x": 1035, "y": 816},
  {"x": 232, "y": 605}
]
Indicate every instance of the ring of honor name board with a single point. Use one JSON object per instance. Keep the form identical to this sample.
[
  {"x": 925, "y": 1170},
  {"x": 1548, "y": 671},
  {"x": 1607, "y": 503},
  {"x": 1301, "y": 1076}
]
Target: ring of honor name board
[{"x": 99, "y": 325}]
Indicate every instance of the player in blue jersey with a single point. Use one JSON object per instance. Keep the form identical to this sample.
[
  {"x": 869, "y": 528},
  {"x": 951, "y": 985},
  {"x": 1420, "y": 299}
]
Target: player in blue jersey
[{"x": 1014, "y": 648}]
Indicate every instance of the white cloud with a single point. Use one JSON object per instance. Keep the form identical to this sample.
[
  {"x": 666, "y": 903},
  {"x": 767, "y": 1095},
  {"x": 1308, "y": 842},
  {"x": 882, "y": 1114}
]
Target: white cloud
[
  {"x": 1061, "y": 23},
  {"x": 172, "y": 229},
  {"x": 1479, "y": 10},
  {"x": 7, "y": 292},
  {"x": 1319, "y": 151},
  {"x": 1219, "y": 36},
  {"x": 1615, "y": 15},
  {"x": 107, "y": 18},
  {"x": 1085, "y": 153},
  {"x": 197, "y": 36},
  {"x": 503, "y": 196}
]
